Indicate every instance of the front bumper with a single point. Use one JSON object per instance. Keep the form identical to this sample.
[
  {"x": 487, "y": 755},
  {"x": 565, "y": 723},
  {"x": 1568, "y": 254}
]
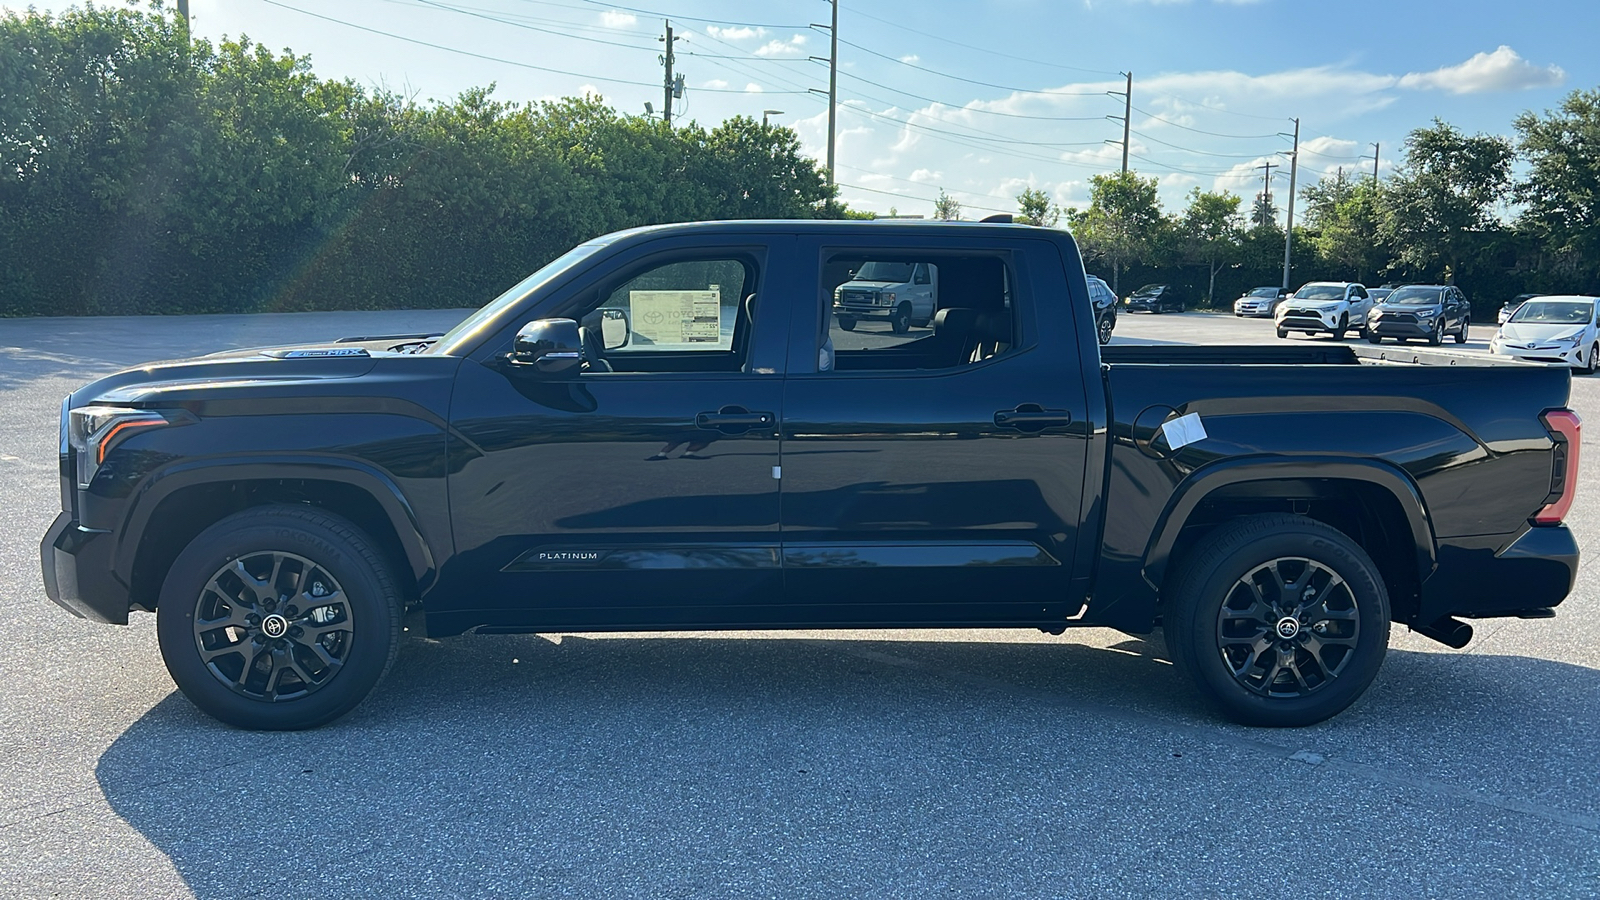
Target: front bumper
[
  {"x": 77, "y": 572},
  {"x": 1253, "y": 309},
  {"x": 863, "y": 312},
  {"x": 1544, "y": 353},
  {"x": 1400, "y": 328},
  {"x": 1310, "y": 320},
  {"x": 1477, "y": 578}
]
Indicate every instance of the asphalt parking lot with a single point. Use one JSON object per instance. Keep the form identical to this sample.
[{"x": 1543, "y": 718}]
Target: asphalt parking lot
[{"x": 816, "y": 764}]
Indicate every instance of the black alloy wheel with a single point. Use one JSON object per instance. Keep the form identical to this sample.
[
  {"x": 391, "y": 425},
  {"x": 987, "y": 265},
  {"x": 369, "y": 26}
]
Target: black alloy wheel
[
  {"x": 1279, "y": 620},
  {"x": 1466, "y": 325},
  {"x": 901, "y": 323},
  {"x": 278, "y": 618}
]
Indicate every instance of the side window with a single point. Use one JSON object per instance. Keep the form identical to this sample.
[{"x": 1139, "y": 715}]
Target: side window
[
  {"x": 874, "y": 322},
  {"x": 684, "y": 315}
]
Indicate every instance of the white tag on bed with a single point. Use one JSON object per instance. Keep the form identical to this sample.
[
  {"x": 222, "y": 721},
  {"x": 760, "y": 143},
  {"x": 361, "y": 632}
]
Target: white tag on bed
[{"x": 1184, "y": 430}]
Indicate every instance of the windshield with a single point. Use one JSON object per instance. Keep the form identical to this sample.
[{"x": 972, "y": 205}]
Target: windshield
[
  {"x": 1263, "y": 292},
  {"x": 1417, "y": 296},
  {"x": 893, "y": 272},
  {"x": 471, "y": 325},
  {"x": 1320, "y": 292},
  {"x": 1149, "y": 289},
  {"x": 1554, "y": 312}
]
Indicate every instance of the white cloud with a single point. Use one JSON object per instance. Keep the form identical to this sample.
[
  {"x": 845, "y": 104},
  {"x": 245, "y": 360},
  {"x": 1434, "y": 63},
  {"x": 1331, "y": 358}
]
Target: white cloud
[
  {"x": 794, "y": 46},
  {"x": 753, "y": 88},
  {"x": 612, "y": 18},
  {"x": 926, "y": 175},
  {"x": 715, "y": 84},
  {"x": 741, "y": 33},
  {"x": 1502, "y": 70},
  {"x": 911, "y": 59}
]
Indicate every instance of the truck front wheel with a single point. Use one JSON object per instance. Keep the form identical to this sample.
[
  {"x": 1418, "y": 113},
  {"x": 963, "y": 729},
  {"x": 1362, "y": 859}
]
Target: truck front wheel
[
  {"x": 1279, "y": 620},
  {"x": 279, "y": 618},
  {"x": 901, "y": 323},
  {"x": 847, "y": 323}
]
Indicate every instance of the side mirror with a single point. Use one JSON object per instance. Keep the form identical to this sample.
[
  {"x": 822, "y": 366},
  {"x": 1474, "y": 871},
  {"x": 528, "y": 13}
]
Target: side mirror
[
  {"x": 548, "y": 347},
  {"x": 615, "y": 330}
]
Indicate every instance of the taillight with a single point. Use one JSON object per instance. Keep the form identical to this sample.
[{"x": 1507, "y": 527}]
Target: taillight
[{"x": 1566, "y": 428}]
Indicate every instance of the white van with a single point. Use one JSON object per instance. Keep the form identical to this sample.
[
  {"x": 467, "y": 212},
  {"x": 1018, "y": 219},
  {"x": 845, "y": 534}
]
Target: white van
[{"x": 901, "y": 293}]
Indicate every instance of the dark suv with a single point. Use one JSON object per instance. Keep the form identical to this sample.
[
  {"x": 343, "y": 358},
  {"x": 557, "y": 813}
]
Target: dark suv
[
  {"x": 1155, "y": 298},
  {"x": 1426, "y": 311}
]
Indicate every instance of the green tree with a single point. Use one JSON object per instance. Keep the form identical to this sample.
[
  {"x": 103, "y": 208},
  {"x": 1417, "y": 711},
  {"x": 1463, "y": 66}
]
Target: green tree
[
  {"x": 1439, "y": 204},
  {"x": 1036, "y": 208},
  {"x": 1209, "y": 232},
  {"x": 1561, "y": 193},
  {"x": 946, "y": 208},
  {"x": 1343, "y": 217},
  {"x": 1123, "y": 222},
  {"x": 1263, "y": 212}
]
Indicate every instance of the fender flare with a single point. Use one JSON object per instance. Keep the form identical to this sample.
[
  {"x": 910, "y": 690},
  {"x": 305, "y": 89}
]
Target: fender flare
[
  {"x": 305, "y": 467},
  {"x": 1207, "y": 479}
]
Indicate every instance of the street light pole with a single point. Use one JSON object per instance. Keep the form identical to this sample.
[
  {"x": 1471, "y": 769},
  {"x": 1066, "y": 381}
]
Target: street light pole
[{"x": 769, "y": 112}]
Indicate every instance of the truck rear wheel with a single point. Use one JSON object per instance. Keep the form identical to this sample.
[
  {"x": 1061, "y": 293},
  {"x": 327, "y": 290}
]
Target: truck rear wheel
[
  {"x": 1279, "y": 620},
  {"x": 279, "y": 618}
]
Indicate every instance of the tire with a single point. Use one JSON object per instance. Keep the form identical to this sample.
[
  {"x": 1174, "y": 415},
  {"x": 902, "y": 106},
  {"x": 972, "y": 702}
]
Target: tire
[
  {"x": 1590, "y": 367},
  {"x": 278, "y": 548},
  {"x": 1283, "y": 332},
  {"x": 1343, "y": 329},
  {"x": 1373, "y": 338},
  {"x": 1104, "y": 329},
  {"x": 847, "y": 324},
  {"x": 1222, "y": 654},
  {"x": 901, "y": 323},
  {"x": 1461, "y": 336},
  {"x": 1437, "y": 337}
]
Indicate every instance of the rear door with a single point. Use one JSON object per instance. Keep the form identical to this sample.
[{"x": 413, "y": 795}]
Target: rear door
[{"x": 936, "y": 476}]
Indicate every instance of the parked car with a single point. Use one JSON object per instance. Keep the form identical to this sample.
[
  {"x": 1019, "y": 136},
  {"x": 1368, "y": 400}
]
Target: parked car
[
  {"x": 1552, "y": 329},
  {"x": 1333, "y": 307},
  {"x": 286, "y": 511},
  {"x": 1154, "y": 298},
  {"x": 1259, "y": 302},
  {"x": 900, "y": 293},
  {"x": 1377, "y": 294},
  {"x": 1512, "y": 305},
  {"x": 1425, "y": 311},
  {"x": 1105, "y": 308}
]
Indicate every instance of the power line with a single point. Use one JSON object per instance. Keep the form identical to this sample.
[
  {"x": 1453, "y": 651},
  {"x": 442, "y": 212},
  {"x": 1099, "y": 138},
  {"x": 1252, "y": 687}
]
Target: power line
[
  {"x": 925, "y": 184},
  {"x": 659, "y": 14},
  {"x": 484, "y": 56},
  {"x": 989, "y": 84},
  {"x": 1242, "y": 137},
  {"x": 857, "y": 187},
  {"x": 1203, "y": 152},
  {"x": 990, "y": 112},
  {"x": 1010, "y": 57}
]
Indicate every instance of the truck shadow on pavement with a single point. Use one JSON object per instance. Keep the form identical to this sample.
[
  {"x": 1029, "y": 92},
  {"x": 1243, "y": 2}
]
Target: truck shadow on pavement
[{"x": 797, "y": 766}]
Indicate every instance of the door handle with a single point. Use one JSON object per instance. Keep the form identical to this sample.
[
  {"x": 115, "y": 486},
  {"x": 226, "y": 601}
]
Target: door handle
[
  {"x": 1032, "y": 417},
  {"x": 733, "y": 420}
]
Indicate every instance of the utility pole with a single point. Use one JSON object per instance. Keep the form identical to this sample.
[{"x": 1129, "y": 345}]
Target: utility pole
[
  {"x": 1375, "y": 165},
  {"x": 1266, "y": 179},
  {"x": 1288, "y": 231},
  {"x": 832, "y": 84},
  {"x": 183, "y": 13},
  {"x": 667, "y": 59},
  {"x": 1127, "y": 117}
]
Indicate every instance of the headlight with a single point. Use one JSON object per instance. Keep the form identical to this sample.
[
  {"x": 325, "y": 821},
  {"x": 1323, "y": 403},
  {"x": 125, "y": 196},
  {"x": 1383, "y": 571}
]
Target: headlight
[
  {"x": 1570, "y": 340},
  {"x": 887, "y": 297},
  {"x": 91, "y": 431},
  {"x": 1427, "y": 313},
  {"x": 1329, "y": 307}
]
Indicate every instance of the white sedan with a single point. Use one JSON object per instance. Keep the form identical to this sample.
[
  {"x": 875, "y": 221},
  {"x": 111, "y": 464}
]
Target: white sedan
[{"x": 1561, "y": 329}]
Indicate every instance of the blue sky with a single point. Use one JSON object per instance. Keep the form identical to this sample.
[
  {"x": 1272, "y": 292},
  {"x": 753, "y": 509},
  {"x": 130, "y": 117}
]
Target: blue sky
[{"x": 986, "y": 97}]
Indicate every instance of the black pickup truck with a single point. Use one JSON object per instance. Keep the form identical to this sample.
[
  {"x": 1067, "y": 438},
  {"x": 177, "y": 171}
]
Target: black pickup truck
[{"x": 666, "y": 428}]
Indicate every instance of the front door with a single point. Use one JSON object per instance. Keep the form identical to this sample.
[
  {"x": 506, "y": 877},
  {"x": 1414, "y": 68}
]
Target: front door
[
  {"x": 642, "y": 491},
  {"x": 935, "y": 477}
]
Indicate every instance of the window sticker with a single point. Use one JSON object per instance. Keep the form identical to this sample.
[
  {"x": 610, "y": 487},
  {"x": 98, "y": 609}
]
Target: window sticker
[{"x": 677, "y": 317}]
